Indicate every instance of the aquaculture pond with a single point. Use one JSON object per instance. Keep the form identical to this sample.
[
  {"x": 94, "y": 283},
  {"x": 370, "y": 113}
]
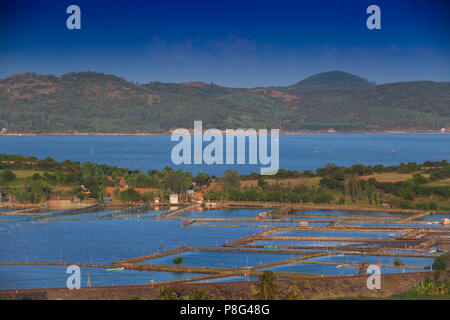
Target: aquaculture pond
[
  {"x": 104, "y": 241},
  {"x": 386, "y": 260},
  {"x": 17, "y": 217},
  {"x": 434, "y": 217},
  {"x": 222, "y": 259},
  {"x": 224, "y": 213},
  {"x": 328, "y": 218},
  {"x": 322, "y": 244},
  {"x": 228, "y": 279},
  {"x": 26, "y": 277},
  {"x": 255, "y": 224},
  {"x": 145, "y": 214},
  {"x": 336, "y": 234},
  {"x": 3, "y": 210},
  {"x": 330, "y": 270},
  {"x": 350, "y": 213},
  {"x": 400, "y": 225},
  {"x": 93, "y": 214}
]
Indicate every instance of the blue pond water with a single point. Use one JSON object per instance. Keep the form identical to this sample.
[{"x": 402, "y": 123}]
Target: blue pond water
[
  {"x": 400, "y": 225},
  {"x": 224, "y": 213},
  {"x": 104, "y": 241},
  {"x": 327, "y": 218},
  {"x": 434, "y": 217},
  {"x": 386, "y": 260},
  {"x": 217, "y": 259},
  {"x": 349, "y": 213},
  {"x": 257, "y": 224},
  {"x": 323, "y": 244},
  {"x": 330, "y": 270},
  {"x": 228, "y": 279},
  {"x": 26, "y": 277},
  {"x": 336, "y": 234},
  {"x": 17, "y": 217}
]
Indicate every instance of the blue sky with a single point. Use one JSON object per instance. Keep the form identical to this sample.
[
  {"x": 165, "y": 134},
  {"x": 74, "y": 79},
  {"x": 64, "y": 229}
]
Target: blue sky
[{"x": 232, "y": 43}]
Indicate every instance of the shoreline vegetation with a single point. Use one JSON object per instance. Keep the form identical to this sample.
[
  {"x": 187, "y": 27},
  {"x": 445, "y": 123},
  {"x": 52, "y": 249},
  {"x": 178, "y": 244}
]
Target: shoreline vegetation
[
  {"x": 27, "y": 134},
  {"x": 28, "y": 181}
]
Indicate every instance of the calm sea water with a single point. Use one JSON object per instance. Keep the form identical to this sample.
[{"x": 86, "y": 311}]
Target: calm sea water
[{"x": 300, "y": 151}]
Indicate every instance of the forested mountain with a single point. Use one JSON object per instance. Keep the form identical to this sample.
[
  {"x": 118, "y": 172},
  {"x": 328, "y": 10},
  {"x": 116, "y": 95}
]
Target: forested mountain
[{"x": 93, "y": 102}]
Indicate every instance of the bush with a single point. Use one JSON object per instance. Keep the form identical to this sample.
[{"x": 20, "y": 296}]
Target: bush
[
  {"x": 441, "y": 262},
  {"x": 178, "y": 260},
  {"x": 406, "y": 204},
  {"x": 130, "y": 195},
  {"x": 398, "y": 262},
  {"x": 267, "y": 287},
  {"x": 37, "y": 177},
  {"x": 166, "y": 293},
  {"x": 7, "y": 175},
  {"x": 427, "y": 205}
]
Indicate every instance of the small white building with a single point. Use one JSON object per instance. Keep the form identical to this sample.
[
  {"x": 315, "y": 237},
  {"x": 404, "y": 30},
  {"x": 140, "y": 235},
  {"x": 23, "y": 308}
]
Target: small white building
[{"x": 173, "y": 198}]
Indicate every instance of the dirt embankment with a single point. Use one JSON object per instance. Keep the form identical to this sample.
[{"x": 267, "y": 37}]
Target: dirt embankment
[{"x": 311, "y": 288}]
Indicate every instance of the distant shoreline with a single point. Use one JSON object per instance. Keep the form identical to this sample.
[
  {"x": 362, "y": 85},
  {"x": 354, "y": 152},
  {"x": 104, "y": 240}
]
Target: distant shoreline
[{"x": 223, "y": 132}]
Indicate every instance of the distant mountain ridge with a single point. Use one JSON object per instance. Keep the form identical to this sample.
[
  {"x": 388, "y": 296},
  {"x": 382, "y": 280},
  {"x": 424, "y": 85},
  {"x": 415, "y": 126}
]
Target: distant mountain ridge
[
  {"x": 94, "y": 102},
  {"x": 332, "y": 78}
]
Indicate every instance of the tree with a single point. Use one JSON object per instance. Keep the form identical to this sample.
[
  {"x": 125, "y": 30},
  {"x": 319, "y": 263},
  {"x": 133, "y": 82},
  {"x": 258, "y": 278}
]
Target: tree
[
  {"x": 36, "y": 177},
  {"x": 267, "y": 287},
  {"x": 130, "y": 195},
  {"x": 202, "y": 179},
  {"x": 419, "y": 179},
  {"x": 362, "y": 268},
  {"x": 231, "y": 179},
  {"x": 441, "y": 263},
  {"x": 398, "y": 262},
  {"x": 262, "y": 183},
  {"x": 178, "y": 261},
  {"x": 7, "y": 175},
  {"x": 166, "y": 293}
]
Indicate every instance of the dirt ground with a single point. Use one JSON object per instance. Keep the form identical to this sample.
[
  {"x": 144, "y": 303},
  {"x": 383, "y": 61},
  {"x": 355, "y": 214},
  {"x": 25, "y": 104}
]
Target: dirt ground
[{"x": 311, "y": 288}]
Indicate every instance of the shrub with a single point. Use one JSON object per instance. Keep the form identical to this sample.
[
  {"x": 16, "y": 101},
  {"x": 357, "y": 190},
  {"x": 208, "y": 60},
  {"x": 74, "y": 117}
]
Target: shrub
[
  {"x": 178, "y": 260},
  {"x": 7, "y": 175},
  {"x": 267, "y": 287},
  {"x": 398, "y": 262},
  {"x": 441, "y": 262}
]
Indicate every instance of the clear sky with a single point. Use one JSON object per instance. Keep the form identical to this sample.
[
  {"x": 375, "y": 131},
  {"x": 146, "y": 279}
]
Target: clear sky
[{"x": 237, "y": 43}]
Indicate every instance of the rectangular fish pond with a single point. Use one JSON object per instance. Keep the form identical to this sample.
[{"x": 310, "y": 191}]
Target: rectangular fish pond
[
  {"x": 330, "y": 269},
  {"x": 350, "y": 213},
  {"x": 224, "y": 213},
  {"x": 222, "y": 259},
  {"x": 386, "y": 260},
  {"x": 400, "y": 225},
  {"x": 433, "y": 217},
  {"x": 28, "y": 277},
  {"x": 318, "y": 244},
  {"x": 255, "y": 224},
  {"x": 336, "y": 234}
]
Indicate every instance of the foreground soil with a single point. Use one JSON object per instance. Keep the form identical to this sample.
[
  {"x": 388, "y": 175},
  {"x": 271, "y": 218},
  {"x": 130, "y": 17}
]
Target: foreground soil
[{"x": 310, "y": 288}]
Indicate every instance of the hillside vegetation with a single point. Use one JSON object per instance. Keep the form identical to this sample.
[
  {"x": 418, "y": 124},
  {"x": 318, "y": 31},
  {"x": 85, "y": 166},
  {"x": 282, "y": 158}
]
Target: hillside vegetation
[
  {"x": 30, "y": 180},
  {"x": 93, "y": 102}
]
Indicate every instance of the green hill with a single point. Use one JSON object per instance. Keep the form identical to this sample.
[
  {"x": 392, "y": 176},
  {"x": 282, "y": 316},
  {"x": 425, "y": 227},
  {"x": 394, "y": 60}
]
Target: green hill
[{"x": 93, "y": 102}]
